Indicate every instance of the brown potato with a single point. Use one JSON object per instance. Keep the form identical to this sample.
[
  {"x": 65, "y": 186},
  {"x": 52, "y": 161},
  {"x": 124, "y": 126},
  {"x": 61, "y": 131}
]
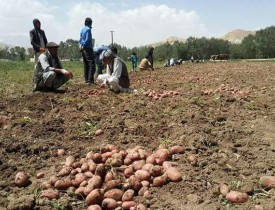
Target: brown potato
[
  {"x": 137, "y": 165},
  {"x": 64, "y": 171},
  {"x": 40, "y": 175},
  {"x": 111, "y": 184},
  {"x": 62, "y": 184},
  {"x": 69, "y": 161},
  {"x": 128, "y": 204},
  {"x": 46, "y": 185},
  {"x": 21, "y": 179},
  {"x": 173, "y": 174},
  {"x": 159, "y": 181},
  {"x": 94, "y": 207},
  {"x": 129, "y": 171},
  {"x": 236, "y": 197},
  {"x": 50, "y": 194},
  {"x": 177, "y": 150}
]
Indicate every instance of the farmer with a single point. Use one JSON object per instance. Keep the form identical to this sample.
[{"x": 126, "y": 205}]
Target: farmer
[
  {"x": 134, "y": 60},
  {"x": 145, "y": 64},
  {"x": 97, "y": 52},
  {"x": 86, "y": 48},
  {"x": 49, "y": 73},
  {"x": 38, "y": 40},
  {"x": 150, "y": 56},
  {"x": 116, "y": 77}
]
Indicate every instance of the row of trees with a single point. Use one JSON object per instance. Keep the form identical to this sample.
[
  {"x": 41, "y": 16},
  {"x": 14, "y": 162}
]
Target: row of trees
[{"x": 260, "y": 45}]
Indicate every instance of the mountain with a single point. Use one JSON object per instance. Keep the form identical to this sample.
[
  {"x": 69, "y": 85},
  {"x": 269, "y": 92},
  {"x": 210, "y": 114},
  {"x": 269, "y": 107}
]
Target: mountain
[
  {"x": 237, "y": 35},
  {"x": 170, "y": 40}
]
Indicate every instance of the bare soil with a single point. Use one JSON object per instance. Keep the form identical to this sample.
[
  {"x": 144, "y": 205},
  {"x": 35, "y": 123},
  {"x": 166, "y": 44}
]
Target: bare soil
[{"x": 224, "y": 114}]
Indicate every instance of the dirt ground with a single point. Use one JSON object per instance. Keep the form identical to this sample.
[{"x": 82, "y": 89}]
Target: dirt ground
[{"x": 223, "y": 113}]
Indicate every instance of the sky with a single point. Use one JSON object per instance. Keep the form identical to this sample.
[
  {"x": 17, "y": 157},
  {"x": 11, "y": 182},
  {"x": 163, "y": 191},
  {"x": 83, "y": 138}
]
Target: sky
[{"x": 135, "y": 22}]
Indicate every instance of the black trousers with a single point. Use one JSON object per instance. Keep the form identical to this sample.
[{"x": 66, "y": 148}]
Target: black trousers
[{"x": 89, "y": 65}]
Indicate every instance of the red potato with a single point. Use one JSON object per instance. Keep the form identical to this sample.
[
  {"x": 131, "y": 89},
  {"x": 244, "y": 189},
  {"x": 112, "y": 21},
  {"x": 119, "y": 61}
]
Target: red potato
[
  {"x": 106, "y": 155},
  {"x": 50, "y": 194},
  {"x": 21, "y": 179},
  {"x": 129, "y": 172},
  {"x": 62, "y": 184},
  {"x": 177, "y": 150},
  {"x": 128, "y": 195},
  {"x": 142, "y": 190},
  {"x": 128, "y": 204},
  {"x": 76, "y": 165},
  {"x": 94, "y": 207},
  {"x": 53, "y": 179},
  {"x": 79, "y": 178},
  {"x": 97, "y": 157},
  {"x": 95, "y": 181},
  {"x": 127, "y": 161},
  {"x": 109, "y": 204},
  {"x": 224, "y": 189},
  {"x": 84, "y": 167},
  {"x": 111, "y": 184},
  {"x": 94, "y": 197},
  {"x": 267, "y": 182},
  {"x": 168, "y": 164},
  {"x": 147, "y": 166},
  {"x": 151, "y": 159},
  {"x": 69, "y": 161},
  {"x": 142, "y": 175},
  {"x": 74, "y": 172},
  {"x": 147, "y": 194},
  {"x": 145, "y": 184},
  {"x": 162, "y": 155},
  {"x": 133, "y": 156},
  {"x": 123, "y": 153},
  {"x": 88, "y": 174},
  {"x": 100, "y": 170},
  {"x": 109, "y": 176},
  {"x": 173, "y": 174},
  {"x": 92, "y": 167},
  {"x": 137, "y": 165},
  {"x": 159, "y": 181},
  {"x": 115, "y": 162},
  {"x": 236, "y": 197},
  {"x": 115, "y": 194},
  {"x": 156, "y": 171}
]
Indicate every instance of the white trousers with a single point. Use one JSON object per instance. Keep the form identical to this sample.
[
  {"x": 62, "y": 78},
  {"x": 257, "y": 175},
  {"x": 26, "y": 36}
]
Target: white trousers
[{"x": 113, "y": 82}]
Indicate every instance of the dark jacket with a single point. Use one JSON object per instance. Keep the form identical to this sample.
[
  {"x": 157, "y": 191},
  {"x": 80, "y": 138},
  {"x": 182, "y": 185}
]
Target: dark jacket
[
  {"x": 124, "y": 80},
  {"x": 35, "y": 41}
]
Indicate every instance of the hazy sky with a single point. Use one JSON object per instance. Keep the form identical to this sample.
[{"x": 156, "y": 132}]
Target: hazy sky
[{"x": 134, "y": 22}]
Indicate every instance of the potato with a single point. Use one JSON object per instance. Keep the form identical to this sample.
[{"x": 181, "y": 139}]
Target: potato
[
  {"x": 128, "y": 204},
  {"x": 84, "y": 167},
  {"x": 94, "y": 207},
  {"x": 151, "y": 159},
  {"x": 60, "y": 152},
  {"x": 50, "y": 194},
  {"x": 40, "y": 175},
  {"x": 111, "y": 184},
  {"x": 109, "y": 176},
  {"x": 236, "y": 197},
  {"x": 267, "y": 182},
  {"x": 147, "y": 166},
  {"x": 156, "y": 171},
  {"x": 115, "y": 194},
  {"x": 95, "y": 181},
  {"x": 140, "y": 206},
  {"x": 142, "y": 175},
  {"x": 88, "y": 174},
  {"x": 224, "y": 189},
  {"x": 129, "y": 171},
  {"x": 53, "y": 179},
  {"x": 21, "y": 179},
  {"x": 69, "y": 161},
  {"x": 77, "y": 165},
  {"x": 147, "y": 194},
  {"x": 62, "y": 184},
  {"x": 137, "y": 165},
  {"x": 177, "y": 150},
  {"x": 145, "y": 184},
  {"x": 64, "y": 171},
  {"x": 80, "y": 190},
  {"x": 192, "y": 159},
  {"x": 100, "y": 170},
  {"x": 173, "y": 174},
  {"x": 99, "y": 132},
  {"x": 92, "y": 167},
  {"x": 142, "y": 190},
  {"x": 128, "y": 195},
  {"x": 94, "y": 197},
  {"x": 168, "y": 164},
  {"x": 109, "y": 204},
  {"x": 159, "y": 181},
  {"x": 79, "y": 178},
  {"x": 46, "y": 185}
]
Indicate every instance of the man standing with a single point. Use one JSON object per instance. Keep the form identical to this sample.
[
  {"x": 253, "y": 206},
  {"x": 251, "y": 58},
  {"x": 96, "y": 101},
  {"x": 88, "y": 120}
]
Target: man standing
[
  {"x": 86, "y": 48},
  {"x": 150, "y": 57},
  {"x": 49, "y": 73},
  {"x": 38, "y": 40}
]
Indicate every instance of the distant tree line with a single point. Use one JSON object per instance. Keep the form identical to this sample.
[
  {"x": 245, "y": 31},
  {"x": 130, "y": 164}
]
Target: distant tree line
[{"x": 260, "y": 45}]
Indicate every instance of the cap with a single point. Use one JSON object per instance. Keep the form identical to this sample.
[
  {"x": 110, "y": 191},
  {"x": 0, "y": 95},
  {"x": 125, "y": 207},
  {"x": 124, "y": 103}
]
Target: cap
[
  {"x": 52, "y": 45},
  {"x": 106, "y": 54}
]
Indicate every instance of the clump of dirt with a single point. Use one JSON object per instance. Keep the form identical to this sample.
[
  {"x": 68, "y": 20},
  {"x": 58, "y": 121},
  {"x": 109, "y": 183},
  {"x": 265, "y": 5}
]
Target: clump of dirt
[{"x": 223, "y": 113}]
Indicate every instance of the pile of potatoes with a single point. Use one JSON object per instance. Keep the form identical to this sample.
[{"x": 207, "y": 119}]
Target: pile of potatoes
[
  {"x": 157, "y": 95},
  {"x": 113, "y": 177}
]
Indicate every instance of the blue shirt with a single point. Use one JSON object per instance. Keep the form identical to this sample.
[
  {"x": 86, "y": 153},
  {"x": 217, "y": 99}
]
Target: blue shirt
[
  {"x": 86, "y": 37},
  {"x": 100, "y": 49}
]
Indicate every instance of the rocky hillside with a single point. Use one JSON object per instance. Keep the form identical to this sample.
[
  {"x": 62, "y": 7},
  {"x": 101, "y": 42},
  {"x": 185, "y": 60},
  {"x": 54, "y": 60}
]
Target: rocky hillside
[
  {"x": 237, "y": 35},
  {"x": 170, "y": 40}
]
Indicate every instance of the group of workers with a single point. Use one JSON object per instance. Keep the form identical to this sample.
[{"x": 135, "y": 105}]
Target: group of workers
[{"x": 49, "y": 73}]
